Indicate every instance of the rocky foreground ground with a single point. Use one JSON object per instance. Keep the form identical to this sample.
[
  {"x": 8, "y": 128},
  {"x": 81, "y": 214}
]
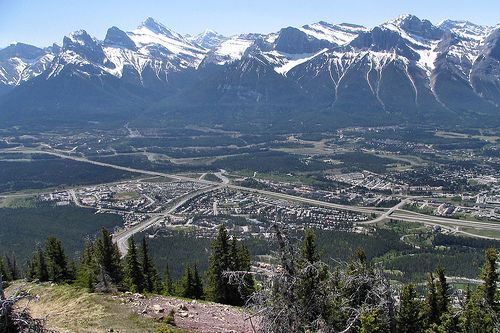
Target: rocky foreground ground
[
  {"x": 69, "y": 309},
  {"x": 203, "y": 317}
]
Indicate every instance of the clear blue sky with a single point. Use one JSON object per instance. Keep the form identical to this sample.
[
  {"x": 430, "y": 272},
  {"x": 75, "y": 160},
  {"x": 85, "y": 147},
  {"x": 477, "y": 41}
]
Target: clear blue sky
[{"x": 42, "y": 22}]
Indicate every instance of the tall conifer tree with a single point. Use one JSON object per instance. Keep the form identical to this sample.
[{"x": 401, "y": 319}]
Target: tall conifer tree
[
  {"x": 134, "y": 277},
  {"x": 57, "y": 262}
]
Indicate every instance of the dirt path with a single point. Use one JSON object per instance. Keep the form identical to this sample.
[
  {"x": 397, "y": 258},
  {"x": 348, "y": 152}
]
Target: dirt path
[{"x": 203, "y": 317}]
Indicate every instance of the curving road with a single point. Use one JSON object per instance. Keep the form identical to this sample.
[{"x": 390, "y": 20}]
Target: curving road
[{"x": 121, "y": 237}]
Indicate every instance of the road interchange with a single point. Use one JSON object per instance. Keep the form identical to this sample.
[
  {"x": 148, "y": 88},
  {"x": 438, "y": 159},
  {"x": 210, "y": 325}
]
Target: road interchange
[{"x": 379, "y": 214}]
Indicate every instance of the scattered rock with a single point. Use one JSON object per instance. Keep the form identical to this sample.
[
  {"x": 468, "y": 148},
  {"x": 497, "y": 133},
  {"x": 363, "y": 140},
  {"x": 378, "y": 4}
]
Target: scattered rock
[
  {"x": 193, "y": 315},
  {"x": 158, "y": 308}
]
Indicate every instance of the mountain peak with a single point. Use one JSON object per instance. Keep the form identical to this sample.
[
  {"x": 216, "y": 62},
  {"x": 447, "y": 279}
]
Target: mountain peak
[
  {"x": 209, "y": 32},
  {"x": 401, "y": 19},
  {"x": 465, "y": 29},
  {"x": 20, "y": 50},
  {"x": 208, "y": 39},
  {"x": 155, "y": 26},
  {"x": 80, "y": 37},
  {"x": 84, "y": 45},
  {"x": 117, "y": 37},
  {"x": 415, "y": 26},
  {"x": 338, "y": 34}
]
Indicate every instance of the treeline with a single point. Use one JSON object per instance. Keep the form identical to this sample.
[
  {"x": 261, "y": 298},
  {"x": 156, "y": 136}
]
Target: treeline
[
  {"x": 102, "y": 270},
  {"x": 269, "y": 161},
  {"x": 9, "y": 268},
  {"x": 45, "y": 171},
  {"x": 469, "y": 242},
  {"x": 303, "y": 294}
]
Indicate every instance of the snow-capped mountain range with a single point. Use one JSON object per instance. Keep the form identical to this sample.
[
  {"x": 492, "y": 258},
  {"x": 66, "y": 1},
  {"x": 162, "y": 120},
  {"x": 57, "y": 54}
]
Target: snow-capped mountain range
[{"x": 407, "y": 67}]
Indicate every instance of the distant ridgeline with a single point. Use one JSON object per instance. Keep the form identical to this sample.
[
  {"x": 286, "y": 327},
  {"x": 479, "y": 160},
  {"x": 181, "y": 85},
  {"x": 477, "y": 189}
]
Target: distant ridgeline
[{"x": 316, "y": 77}]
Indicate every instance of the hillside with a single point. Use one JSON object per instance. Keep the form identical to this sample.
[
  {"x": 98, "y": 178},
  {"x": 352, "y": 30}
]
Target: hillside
[{"x": 69, "y": 309}]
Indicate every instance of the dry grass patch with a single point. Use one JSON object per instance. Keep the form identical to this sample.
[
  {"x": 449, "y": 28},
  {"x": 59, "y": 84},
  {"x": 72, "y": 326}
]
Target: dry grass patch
[{"x": 70, "y": 309}]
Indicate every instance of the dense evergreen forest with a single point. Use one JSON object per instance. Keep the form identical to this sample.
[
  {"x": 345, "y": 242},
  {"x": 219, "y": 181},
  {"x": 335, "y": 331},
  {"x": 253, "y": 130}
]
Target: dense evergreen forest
[
  {"x": 22, "y": 228},
  {"x": 40, "y": 171}
]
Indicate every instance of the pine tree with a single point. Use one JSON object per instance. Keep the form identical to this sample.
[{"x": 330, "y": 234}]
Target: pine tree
[
  {"x": 308, "y": 252},
  {"x": 245, "y": 265},
  {"x": 442, "y": 292},
  {"x": 233, "y": 254},
  {"x": 14, "y": 272},
  {"x": 87, "y": 272},
  {"x": 218, "y": 263},
  {"x": 187, "y": 283},
  {"x": 225, "y": 256},
  {"x": 197, "y": 284},
  {"x": 466, "y": 318},
  {"x": 432, "y": 305},
  {"x": 359, "y": 266},
  {"x": 450, "y": 322},
  {"x": 310, "y": 291},
  {"x": 4, "y": 271},
  {"x": 37, "y": 267},
  {"x": 475, "y": 316},
  {"x": 233, "y": 293},
  {"x": 408, "y": 316},
  {"x": 57, "y": 263},
  {"x": 369, "y": 322},
  {"x": 31, "y": 270},
  {"x": 168, "y": 284},
  {"x": 152, "y": 281},
  {"x": 134, "y": 279},
  {"x": 490, "y": 276},
  {"x": 108, "y": 258}
]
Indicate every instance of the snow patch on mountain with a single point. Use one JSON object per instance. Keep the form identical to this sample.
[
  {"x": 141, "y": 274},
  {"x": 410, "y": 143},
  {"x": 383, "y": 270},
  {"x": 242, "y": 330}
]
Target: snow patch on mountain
[
  {"x": 208, "y": 39},
  {"x": 340, "y": 34},
  {"x": 148, "y": 40},
  {"x": 21, "y": 67},
  {"x": 466, "y": 29},
  {"x": 289, "y": 61},
  {"x": 231, "y": 50},
  {"x": 428, "y": 57}
]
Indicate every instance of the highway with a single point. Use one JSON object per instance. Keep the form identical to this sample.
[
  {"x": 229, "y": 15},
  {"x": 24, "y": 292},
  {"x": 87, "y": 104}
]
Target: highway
[
  {"x": 365, "y": 210},
  {"x": 382, "y": 214},
  {"x": 121, "y": 237}
]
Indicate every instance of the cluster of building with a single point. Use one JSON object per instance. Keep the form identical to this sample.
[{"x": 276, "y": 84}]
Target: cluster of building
[
  {"x": 370, "y": 181},
  {"x": 136, "y": 201},
  {"x": 257, "y": 207},
  {"x": 457, "y": 208}
]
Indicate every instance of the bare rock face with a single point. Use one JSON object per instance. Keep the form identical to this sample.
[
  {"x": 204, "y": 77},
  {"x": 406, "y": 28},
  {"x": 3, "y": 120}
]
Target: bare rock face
[{"x": 485, "y": 75}]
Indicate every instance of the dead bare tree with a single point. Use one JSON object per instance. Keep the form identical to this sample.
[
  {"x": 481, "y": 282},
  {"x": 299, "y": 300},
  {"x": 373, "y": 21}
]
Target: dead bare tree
[
  {"x": 18, "y": 320},
  {"x": 335, "y": 304},
  {"x": 2, "y": 293}
]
